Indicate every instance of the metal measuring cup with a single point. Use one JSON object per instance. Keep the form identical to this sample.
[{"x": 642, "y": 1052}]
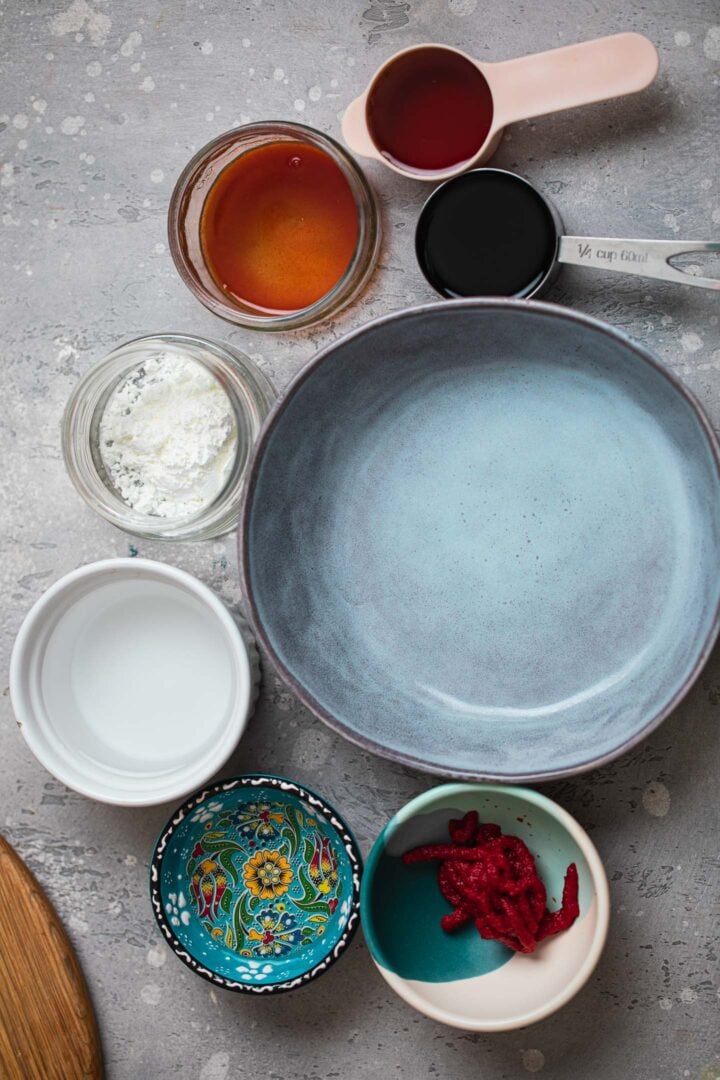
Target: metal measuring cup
[
  {"x": 520, "y": 89},
  {"x": 510, "y": 217}
]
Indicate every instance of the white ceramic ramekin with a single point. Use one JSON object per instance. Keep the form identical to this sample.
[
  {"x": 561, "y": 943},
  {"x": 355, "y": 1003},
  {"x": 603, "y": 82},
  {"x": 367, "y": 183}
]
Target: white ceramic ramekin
[{"x": 132, "y": 682}]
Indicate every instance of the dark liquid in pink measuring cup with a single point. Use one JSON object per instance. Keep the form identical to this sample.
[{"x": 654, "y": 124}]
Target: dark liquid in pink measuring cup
[{"x": 430, "y": 109}]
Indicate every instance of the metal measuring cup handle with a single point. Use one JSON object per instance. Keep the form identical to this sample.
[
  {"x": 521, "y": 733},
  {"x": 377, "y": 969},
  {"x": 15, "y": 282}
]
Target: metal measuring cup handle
[{"x": 644, "y": 258}]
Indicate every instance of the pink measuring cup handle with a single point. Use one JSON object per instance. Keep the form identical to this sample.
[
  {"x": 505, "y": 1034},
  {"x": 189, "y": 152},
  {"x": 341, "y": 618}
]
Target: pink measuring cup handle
[{"x": 573, "y": 75}]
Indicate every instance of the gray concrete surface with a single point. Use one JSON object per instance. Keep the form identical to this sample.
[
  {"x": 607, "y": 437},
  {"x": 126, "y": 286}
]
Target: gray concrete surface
[{"x": 101, "y": 104}]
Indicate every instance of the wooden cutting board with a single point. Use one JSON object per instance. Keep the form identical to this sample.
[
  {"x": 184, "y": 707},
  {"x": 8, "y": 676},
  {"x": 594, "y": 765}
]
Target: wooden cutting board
[{"x": 48, "y": 1029}]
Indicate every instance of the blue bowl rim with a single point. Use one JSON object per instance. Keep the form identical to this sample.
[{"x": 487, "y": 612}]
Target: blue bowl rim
[
  {"x": 566, "y": 820},
  {"x": 339, "y": 826},
  {"x": 308, "y": 699}
]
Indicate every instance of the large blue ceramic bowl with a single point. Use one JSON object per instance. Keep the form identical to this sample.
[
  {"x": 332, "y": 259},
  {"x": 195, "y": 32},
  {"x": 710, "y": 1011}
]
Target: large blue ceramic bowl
[
  {"x": 255, "y": 883},
  {"x": 483, "y": 538}
]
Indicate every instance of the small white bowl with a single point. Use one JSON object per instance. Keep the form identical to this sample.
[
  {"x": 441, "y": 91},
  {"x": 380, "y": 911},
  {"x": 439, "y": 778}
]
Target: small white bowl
[
  {"x": 132, "y": 682},
  {"x": 461, "y": 979}
]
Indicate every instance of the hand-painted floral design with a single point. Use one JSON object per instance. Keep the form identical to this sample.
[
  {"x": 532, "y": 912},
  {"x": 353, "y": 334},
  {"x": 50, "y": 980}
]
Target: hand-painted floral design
[
  {"x": 208, "y": 884},
  {"x": 207, "y": 878},
  {"x": 177, "y": 910},
  {"x": 258, "y": 820},
  {"x": 254, "y": 970},
  {"x": 206, "y": 811},
  {"x": 322, "y": 869},
  {"x": 274, "y": 933},
  {"x": 263, "y": 878},
  {"x": 267, "y": 874}
]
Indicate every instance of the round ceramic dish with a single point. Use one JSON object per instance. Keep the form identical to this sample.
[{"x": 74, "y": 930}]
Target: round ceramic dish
[
  {"x": 132, "y": 682},
  {"x": 185, "y": 211},
  {"x": 507, "y": 568},
  {"x": 250, "y": 394},
  {"x": 461, "y": 979},
  {"x": 255, "y": 883}
]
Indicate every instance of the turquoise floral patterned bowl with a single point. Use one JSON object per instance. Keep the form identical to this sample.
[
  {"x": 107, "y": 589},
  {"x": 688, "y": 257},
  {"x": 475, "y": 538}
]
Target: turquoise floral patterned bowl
[{"x": 255, "y": 883}]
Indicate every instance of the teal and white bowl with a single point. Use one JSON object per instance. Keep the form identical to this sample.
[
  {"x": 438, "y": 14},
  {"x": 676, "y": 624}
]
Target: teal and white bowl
[
  {"x": 460, "y": 979},
  {"x": 255, "y": 884}
]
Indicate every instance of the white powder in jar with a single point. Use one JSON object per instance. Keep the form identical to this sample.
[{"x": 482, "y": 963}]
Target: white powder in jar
[{"x": 168, "y": 437}]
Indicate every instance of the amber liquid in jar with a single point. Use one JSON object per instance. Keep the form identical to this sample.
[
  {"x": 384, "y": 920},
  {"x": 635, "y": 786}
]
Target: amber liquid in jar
[{"x": 279, "y": 227}]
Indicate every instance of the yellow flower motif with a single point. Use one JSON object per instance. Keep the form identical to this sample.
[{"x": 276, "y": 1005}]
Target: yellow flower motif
[
  {"x": 324, "y": 887},
  {"x": 267, "y": 874}
]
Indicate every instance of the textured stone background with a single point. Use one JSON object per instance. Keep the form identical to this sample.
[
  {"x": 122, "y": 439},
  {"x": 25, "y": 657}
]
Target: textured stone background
[{"x": 101, "y": 105}]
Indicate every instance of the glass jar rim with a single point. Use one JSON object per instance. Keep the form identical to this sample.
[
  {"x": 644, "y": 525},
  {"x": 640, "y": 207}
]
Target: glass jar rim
[
  {"x": 249, "y": 392},
  {"x": 366, "y": 249}
]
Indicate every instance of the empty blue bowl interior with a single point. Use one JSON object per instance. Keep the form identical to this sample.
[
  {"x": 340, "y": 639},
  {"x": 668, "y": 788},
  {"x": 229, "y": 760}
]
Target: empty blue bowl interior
[
  {"x": 485, "y": 538},
  {"x": 402, "y": 905},
  {"x": 212, "y": 893}
]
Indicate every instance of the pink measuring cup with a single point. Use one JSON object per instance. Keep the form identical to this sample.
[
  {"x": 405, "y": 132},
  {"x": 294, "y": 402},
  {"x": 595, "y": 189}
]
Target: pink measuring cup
[{"x": 519, "y": 89}]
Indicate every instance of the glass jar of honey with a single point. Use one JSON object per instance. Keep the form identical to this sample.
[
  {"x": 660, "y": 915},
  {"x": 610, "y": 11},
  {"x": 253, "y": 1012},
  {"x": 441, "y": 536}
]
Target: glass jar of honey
[{"x": 273, "y": 226}]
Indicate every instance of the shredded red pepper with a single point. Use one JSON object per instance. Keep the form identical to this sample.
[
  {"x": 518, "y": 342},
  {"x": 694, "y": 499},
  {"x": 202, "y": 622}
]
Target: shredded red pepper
[{"x": 491, "y": 879}]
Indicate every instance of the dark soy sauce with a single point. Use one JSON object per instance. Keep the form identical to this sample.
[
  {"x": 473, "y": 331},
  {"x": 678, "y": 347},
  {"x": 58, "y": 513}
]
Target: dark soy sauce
[
  {"x": 485, "y": 233},
  {"x": 430, "y": 109}
]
